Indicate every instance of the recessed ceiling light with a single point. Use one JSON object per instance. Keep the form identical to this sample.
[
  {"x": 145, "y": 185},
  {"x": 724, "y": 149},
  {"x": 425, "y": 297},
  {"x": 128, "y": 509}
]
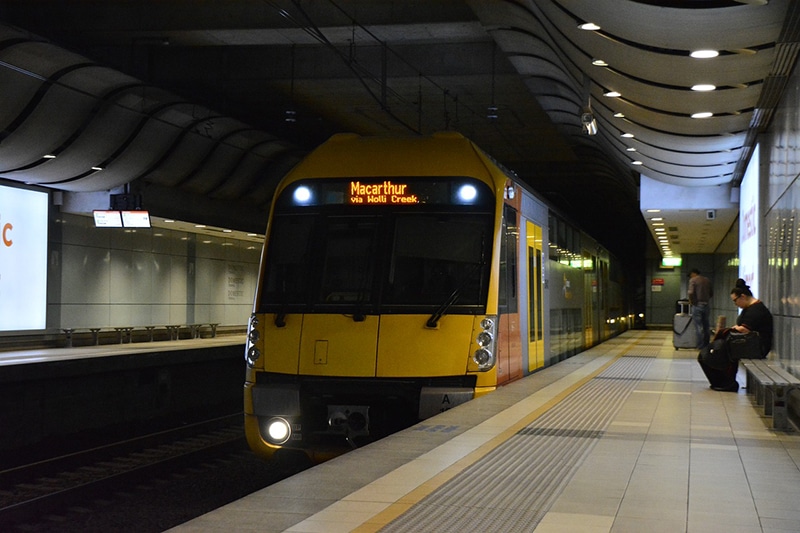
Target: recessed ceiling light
[
  {"x": 619, "y": 115},
  {"x": 703, "y": 87},
  {"x": 630, "y": 149},
  {"x": 612, "y": 94},
  {"x": 599, "y": 63},
  {"x": 703, "y": 114},
  {"x": 49, "y": 156},
  {"x": 636, "y": 163},
  {"x": 704, "y": 54},
  {"x": 97, "y": 168},
  {"x": 627, "y": 135},
  {"x": 654, "y": 210},
  {"x": 589, "y": 26}
]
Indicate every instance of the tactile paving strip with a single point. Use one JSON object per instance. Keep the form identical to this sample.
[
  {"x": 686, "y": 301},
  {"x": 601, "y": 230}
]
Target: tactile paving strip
[{"x": 511, "y": 488}]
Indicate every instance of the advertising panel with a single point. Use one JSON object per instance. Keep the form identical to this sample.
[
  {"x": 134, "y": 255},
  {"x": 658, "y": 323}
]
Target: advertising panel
[
  {"x": 749, "y": 217},
  {"x": 23, "y": 259}
]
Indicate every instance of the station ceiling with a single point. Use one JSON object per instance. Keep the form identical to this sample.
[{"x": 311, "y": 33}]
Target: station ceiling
[{"x": 201, "y": 106}]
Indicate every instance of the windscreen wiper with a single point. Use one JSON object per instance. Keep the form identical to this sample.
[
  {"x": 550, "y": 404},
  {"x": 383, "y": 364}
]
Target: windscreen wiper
[{"x": 439, "y": 313}]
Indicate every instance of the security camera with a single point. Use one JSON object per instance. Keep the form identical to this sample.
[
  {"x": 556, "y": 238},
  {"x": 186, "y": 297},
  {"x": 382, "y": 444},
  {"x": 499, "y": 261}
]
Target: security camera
[{"x": 588, "y": 123}]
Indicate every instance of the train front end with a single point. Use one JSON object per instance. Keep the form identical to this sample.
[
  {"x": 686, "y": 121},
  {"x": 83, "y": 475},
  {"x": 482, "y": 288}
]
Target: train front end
[{"x": 375, "y": 307}]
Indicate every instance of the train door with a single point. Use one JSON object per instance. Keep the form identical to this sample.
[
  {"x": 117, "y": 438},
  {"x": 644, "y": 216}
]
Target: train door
[{"x": 535, "y": 296}]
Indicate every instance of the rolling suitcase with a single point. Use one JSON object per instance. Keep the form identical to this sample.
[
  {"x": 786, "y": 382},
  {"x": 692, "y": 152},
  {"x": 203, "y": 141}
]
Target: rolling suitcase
[{"x": 683, "y": 331}]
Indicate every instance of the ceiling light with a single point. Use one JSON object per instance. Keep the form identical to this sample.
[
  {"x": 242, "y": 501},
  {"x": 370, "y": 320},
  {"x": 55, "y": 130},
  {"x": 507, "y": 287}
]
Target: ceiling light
[
  {"x": 97, "y": 168},
  {"x": 703, "y": 87},
  {"x": 627, "y": 135},
  {"x": 49, "y": 156},
  {"x": 630, "y": 149},
  {"x": 704, "y": 114},
  {"x": 612, "y": 94},
  {"x": 704, "y": 54},
  {"x": 599, "y": 63},
  {"x": 589, "y": 26},
  {"x": 199, "y": 225},
  {"x": 654, "y": 210},
  {"x": 636, "y": 163}
]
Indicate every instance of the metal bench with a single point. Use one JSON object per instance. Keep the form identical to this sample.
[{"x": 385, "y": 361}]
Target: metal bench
[{"x": 771, "y": 384}]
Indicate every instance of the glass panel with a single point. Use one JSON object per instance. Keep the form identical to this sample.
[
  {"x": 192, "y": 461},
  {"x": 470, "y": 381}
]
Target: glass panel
[
  {"x": 350, "y": 255},
  {"x": 287, "y": 275},
  {"x": 435, "y": 256}
]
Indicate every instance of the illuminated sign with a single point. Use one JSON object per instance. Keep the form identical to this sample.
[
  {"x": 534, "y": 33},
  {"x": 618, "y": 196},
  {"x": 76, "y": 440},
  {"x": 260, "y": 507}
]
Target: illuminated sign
[
  {"x": 396, "y": 192},
  {"x": 121, "y": 219},
  {"x": 23, "y": 259},
  {"x": 381, "y": 193},
  {"x": 107, "y": 219},
  {"x": 749, "y": 217},
  {"x": 136, "y": 219}
]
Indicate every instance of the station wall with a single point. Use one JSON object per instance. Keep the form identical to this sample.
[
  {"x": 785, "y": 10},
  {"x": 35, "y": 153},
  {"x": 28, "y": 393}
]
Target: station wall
[
  {"x": 117, "y": 277},
  {"x": 780, "y": 155}
]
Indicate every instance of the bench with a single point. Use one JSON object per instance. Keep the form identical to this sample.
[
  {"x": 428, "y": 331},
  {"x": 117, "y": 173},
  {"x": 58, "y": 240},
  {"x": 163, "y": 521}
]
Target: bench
[
  {"x": 771, "y": 384},
  {"x": 125, "y": 334}
]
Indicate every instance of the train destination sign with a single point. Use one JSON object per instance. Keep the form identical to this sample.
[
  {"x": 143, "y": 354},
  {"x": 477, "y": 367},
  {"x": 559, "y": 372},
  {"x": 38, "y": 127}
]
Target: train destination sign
[{"x": 382, "y": 193}]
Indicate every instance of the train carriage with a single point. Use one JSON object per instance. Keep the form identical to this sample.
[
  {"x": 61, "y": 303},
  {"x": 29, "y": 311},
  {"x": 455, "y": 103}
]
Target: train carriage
[{"x": 399, "y": 278}]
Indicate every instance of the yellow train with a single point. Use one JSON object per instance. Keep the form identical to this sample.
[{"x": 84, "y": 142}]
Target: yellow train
[{"x": 402, "y": 277}]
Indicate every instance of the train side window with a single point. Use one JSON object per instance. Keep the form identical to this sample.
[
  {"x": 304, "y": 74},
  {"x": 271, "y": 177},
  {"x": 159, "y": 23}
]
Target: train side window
[{"x": 507, "y": 297}]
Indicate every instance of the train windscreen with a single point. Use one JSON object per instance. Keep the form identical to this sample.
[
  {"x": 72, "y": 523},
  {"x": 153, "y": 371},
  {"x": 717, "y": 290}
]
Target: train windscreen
[{"x": 408, "y": 257}]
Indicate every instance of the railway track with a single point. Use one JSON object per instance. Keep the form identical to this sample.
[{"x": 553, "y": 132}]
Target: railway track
[{"x": 31, "y": 491}]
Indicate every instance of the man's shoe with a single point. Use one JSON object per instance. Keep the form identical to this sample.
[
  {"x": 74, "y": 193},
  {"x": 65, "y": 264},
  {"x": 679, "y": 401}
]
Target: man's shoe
[{"x": 733, "y": 387}]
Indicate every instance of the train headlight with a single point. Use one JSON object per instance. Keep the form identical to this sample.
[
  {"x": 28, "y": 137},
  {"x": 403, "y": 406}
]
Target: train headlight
[
  {"x": 484, "y": 339},
  {"x": 467, "y": 194},
  {"x": 252, "y": 355},
  {"x": 277, "y": 430},
  {"x": 251, "y": 351},
  {"x": 483, "y": 358},
  {"x": 302, "y": 195}
]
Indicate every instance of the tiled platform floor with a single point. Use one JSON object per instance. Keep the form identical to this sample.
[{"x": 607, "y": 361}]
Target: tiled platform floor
[{"x": 673, "y": 456}]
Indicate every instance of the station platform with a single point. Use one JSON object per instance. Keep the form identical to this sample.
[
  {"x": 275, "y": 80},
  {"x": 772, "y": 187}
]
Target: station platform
[
  {"x": 51, "y": 355},
  {"x": 626, "y": 436}
]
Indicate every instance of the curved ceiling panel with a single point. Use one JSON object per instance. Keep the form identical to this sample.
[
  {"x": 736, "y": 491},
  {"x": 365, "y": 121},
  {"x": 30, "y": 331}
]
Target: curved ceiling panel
[
  {"x": 70, "y": 124},
  {"x": 646, "y": 61}
]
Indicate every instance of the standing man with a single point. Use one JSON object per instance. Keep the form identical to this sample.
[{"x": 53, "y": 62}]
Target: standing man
[{"x": 700, "y": 292}]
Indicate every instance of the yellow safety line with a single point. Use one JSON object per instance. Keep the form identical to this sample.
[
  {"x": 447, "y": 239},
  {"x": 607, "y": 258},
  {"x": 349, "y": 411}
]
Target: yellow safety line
[{"x": 415, "y": 496}]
